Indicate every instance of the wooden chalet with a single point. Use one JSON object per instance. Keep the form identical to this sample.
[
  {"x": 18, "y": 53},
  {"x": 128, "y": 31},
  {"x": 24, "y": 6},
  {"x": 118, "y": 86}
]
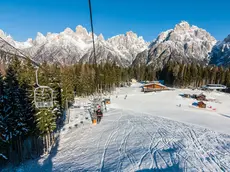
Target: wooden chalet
[
  {"x": 155, "y": 86},
  {"x": 201, "y": 97},
  {"x": 201, "y": 105}
]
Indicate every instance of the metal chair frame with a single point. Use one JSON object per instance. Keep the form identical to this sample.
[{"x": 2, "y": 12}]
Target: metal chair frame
[{"x": 42, "y": 104}]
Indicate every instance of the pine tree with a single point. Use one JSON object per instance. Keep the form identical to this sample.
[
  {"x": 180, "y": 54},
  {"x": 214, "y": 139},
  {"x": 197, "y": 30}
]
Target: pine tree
[
  {"x": 205, "y": 75},
  {"x": 46, "y": 121},
  {"x": 27, "y": 73},
  {"x": 55, "y": 84},
  {"x": 175, "y": 72},
  {"x": 199, "y": 79},
  {"x": 96, "y": 77},
  {"x": 118, "y": 75},
  {"x": 213, "y": 73},
  {"x": 15, "y": 117},
  {"x": 142, "y": 69},
  {"x": 222, "y": 80},
  {"x": 70, "y": 81},
  {"x": 218, "y": 75},
  {"x": 188, "y": 75},
  {"x": 167, "y": 73},
  {"x": 227, "y": 77},
  {"x": 181, "y": 75},
  {"x": 16, "y": 64},
  {"x": 26, "y": 77},
  {"x": 3, "y": 126},
  {"x": 130, "y": 71},
  {"x": 193, "y": 72},
  {"x": 27, "y": 106}
]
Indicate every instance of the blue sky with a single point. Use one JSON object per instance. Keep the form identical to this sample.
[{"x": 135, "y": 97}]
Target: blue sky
[{"x": 24, "y": 18}]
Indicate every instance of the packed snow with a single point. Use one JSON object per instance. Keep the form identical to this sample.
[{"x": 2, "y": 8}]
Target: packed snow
[{"x": 144, "y": 132}]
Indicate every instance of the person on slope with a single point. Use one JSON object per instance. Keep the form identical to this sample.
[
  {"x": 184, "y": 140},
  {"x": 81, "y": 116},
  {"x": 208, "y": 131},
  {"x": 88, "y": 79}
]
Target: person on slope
[{"x": 99, "y": 115}]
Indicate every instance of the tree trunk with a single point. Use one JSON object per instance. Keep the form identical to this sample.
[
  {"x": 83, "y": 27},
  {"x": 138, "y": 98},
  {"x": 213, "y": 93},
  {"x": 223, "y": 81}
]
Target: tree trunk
[
  {"x": 44, "y": 143},
  {"x": 20, "y": 149},
  {"x": 48, "y": 139},
  {"x": 47, "y": 144}
]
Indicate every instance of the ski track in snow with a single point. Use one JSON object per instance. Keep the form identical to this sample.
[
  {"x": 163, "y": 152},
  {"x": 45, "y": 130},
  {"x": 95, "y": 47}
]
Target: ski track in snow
[{"x": 127, "y": 140}]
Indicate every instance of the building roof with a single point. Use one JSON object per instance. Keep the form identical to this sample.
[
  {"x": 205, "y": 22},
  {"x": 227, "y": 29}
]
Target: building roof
[
  {"x": 215, "y": 86},
  {"x": 156, "y": 83}
]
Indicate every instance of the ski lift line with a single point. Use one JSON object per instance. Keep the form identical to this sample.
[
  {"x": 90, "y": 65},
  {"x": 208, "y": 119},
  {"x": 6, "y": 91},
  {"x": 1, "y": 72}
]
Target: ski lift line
[{"x": 91, "y": 23}]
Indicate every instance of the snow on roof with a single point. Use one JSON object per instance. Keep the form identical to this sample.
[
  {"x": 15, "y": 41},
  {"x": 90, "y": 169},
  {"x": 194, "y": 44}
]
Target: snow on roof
[{"x": 155, "y": 82}]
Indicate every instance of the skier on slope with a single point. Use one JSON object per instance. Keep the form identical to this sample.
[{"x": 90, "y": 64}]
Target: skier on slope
[{"x": 99, "y": 115}]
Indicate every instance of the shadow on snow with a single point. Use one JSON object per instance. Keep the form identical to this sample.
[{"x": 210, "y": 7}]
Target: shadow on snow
[{"x": 173, "y": 168}]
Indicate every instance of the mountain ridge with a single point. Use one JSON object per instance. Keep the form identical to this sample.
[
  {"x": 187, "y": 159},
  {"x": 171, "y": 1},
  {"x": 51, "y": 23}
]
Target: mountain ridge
[
  {"x": 184, "y": 43},
  {"x": 68, "y": 47},
  {"x": 221, "y": 53}
]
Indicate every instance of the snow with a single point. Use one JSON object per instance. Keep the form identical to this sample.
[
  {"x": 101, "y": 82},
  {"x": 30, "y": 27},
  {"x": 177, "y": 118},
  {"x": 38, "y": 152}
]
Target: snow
[
  {"x": 186, "y": 41},
  {"x": 165, "y": 103},
  {"x": 3, "y": 156},
  {"x": 145, "y": 131}
]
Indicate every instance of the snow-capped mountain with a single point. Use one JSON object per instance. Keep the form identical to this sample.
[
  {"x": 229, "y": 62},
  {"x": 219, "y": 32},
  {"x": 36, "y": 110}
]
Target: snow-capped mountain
[
  {"x": 221, "y": 53},
  {"x": 129, "y": 44},
  {"x": 66, "y": 47},
  {"x": 16, "y": 44},
  {"x": 105, "y": 52},
  {"x": 70, "y": 46},
  {"x": 184, "y": 43},
  {"x": 8, "y": 52}
]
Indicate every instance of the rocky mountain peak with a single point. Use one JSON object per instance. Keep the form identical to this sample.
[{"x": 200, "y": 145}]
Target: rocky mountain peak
[
  {"x": 68, "y": 31},
  {"x": 221, "y": 53},
  {"x": 40, "y": 39},
  {"x": 185, "y": 33},
  {"x": 6, "y": 37},
  {"x": 184, "y": 43},
  {"x": 101, "y": 37},
  {"x": 182, "y": 26},
  {"x": 2, "y": 34},
  {"x": 129, "y": 44},
  {"x": 81, "y": 30},
  {"x": 227, "y": 39},
  {"x": 29, "y": 40},
  {"x": 131, "y": 34}
]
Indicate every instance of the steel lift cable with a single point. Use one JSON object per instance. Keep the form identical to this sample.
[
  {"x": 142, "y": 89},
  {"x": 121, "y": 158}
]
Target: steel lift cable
[{"x": 91, "y": 23}]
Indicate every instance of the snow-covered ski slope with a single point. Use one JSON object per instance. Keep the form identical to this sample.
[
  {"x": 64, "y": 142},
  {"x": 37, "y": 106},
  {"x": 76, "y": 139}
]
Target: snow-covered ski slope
[{"x": 146, "y": 132}]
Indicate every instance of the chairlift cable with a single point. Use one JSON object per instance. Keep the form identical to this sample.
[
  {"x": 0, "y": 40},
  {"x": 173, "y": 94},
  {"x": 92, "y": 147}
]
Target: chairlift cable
[{"x": 91, "y": 23}]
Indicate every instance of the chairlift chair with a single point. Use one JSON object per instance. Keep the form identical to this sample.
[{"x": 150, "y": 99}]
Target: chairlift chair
[{"x": 43, "y": 95}]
